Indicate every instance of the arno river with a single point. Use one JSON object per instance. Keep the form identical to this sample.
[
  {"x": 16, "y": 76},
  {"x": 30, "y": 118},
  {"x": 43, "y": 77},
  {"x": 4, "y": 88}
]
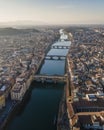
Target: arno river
[{"x": 40, "y": 108}]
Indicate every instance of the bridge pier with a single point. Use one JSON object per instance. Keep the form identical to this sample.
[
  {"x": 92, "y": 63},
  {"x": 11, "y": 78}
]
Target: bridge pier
[{"x": 42, "y": 80}]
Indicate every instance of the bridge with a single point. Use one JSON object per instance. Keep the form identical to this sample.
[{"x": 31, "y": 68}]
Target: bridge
[
  {"x": 52, "y": 78},
  {"x": 60, "y": 47},
  {"x": 55, "y": 57}
]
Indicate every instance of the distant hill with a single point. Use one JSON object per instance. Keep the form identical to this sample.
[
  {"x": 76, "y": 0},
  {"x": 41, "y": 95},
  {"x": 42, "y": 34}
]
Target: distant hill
[
  {"x": 22, "y": 24},
  {"x": 14, "y": 31}
]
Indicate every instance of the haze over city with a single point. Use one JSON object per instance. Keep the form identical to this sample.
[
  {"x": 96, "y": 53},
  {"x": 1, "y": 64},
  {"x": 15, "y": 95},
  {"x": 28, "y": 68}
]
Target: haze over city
[
  {"x": 52, "y": 12},
  {"x": 51, "y": 65}
]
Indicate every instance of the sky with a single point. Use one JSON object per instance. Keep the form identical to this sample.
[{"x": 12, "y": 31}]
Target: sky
[{"x": 53, "y": 11}]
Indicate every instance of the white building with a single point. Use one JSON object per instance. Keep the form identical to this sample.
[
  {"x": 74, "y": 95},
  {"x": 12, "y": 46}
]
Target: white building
[{"x": 18, "y": 91}]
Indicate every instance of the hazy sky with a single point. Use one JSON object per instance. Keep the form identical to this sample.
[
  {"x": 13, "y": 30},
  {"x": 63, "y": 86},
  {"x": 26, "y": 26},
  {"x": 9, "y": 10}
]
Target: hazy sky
[{"x": 53, "y": 11}]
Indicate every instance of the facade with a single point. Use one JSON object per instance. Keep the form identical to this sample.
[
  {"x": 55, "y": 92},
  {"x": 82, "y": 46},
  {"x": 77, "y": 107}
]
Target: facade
[
  {"x": 28, "y": 82},
  {"x": 18, "y": 90},
  {"x": 85, "y": 92},
  {"x": 20, "y": 87},
  {"x": 2, "y": 100}
]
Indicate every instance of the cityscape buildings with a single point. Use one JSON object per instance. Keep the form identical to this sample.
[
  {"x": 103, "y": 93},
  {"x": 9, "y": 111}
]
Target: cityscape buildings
[{"x": 84, "y": 91}]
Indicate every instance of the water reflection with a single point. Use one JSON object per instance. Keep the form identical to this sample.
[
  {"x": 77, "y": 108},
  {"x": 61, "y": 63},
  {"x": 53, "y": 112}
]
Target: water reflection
[
  {"x": 64, "y": 43},
  {"x": 52, "y": 67},
  {"x": 62, "y": 52}
]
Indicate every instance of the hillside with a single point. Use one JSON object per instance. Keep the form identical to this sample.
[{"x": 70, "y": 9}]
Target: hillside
[{"x": 14, "y": 31}]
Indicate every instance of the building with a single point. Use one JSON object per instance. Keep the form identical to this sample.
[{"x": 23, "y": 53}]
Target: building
[
  {"x": 2, "y": 100},
  {"x": 18, "y": 90}
]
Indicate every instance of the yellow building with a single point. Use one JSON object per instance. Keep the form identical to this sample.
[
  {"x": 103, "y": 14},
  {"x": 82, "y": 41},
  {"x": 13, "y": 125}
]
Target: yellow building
[{"x": 2, "y": 100}]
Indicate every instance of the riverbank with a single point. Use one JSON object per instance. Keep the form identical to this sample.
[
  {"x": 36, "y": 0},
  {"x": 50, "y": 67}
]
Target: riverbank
[
  {"x": 43, "y": 105},
  {"x": 16, "y": 104},
  {"x": 15, "y": 109},
  {"x": 62, "y": 121},
  {"x": 43, "y": 57}
]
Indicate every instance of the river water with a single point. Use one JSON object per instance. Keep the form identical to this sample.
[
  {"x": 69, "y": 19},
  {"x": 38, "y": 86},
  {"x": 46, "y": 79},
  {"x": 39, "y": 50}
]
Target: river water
[{"x": 41, "y": 106}]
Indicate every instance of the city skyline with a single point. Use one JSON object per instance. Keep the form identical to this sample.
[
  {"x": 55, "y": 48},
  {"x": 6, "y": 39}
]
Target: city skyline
[{"x": 52, "y": 12}]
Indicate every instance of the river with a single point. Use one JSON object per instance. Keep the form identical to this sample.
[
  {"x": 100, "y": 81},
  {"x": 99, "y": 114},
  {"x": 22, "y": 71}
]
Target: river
[{"x": 41, "y": 106}]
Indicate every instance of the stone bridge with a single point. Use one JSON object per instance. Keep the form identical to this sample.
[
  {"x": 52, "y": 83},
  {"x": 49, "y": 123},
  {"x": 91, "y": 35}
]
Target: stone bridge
[
  {"x": 53, "y": 78},
  {"x": 60, "y": 47},
  {"x": 55, "y": 57}
]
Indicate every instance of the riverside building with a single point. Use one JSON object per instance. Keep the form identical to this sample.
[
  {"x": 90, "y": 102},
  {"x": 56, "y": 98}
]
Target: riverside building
[{"x": 85, "y": 95}]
